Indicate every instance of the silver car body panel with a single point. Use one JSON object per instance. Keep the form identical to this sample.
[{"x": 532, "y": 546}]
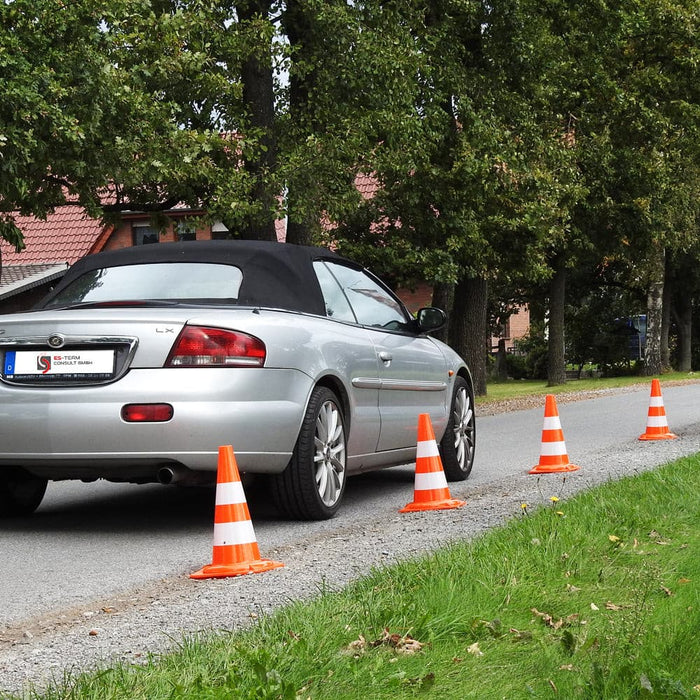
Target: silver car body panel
[{"x": 383, "y": 377}]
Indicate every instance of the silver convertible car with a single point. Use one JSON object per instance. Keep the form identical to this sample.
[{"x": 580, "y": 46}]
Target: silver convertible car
[{"x": 141, "y": 362}]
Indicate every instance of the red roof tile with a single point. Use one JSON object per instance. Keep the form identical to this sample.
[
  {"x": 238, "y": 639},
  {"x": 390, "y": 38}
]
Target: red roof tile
[
  {"x": 67, "y": 235},
  {"x": 367, "y": 185}
]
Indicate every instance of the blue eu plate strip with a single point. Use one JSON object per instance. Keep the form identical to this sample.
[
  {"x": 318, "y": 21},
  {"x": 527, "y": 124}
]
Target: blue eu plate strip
[{"x": 9, "y": 362}]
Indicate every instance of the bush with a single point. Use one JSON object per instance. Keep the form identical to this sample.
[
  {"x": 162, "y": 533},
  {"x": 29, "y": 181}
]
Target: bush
[
  {"x": 517, "y": 366},
  {"x": 533, "y": 348}
]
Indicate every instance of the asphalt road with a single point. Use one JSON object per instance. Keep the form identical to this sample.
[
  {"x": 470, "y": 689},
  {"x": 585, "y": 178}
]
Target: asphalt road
[{"x": 89, "y": 541}]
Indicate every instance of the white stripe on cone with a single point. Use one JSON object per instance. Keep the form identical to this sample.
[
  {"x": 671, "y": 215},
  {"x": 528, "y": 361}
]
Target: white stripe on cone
[
  {"x": 551, "y": 423},
  {"x": 549, "y": 449},
  {"x": 656, "y": 422},
  {"x": 229, "y": 493},
  {"x": 427, "y": 448},
  {"x": 233, "y": 533},
  {"x": 430, "y": 480}
]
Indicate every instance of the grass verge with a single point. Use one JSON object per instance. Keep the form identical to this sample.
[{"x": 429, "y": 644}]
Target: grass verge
[
  {"x": 497, "y": 391},
  {"x": 595, "y": 597}
]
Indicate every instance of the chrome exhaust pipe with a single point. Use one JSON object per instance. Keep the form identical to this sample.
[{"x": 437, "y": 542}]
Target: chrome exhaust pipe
[
  {"x": 177, "y": 474},
  {"x": 171, "y": 475}
]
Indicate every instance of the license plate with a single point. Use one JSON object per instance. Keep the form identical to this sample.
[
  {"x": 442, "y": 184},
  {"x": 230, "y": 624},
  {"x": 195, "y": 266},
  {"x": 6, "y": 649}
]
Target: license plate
[{"x": 69, "y": 364}]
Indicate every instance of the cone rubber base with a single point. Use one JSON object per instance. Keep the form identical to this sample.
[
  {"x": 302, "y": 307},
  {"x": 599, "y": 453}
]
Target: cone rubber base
[
  {"x": 240, "y": 569},
  {"x": 433, "y": 505},
  {"x": 664, "y": 436},
  {"x": 539, "y": 469}
]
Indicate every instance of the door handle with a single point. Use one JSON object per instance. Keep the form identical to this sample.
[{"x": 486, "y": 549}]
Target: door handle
[{"x": 385, "y": 356}]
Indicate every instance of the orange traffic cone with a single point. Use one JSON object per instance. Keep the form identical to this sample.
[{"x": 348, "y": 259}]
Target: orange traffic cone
[
  {"x": 657, "y": 425},
  {"x": 553, "y": 456},
  {"x": 235, "y": 547},
  {"x": 430, "y": 492}
]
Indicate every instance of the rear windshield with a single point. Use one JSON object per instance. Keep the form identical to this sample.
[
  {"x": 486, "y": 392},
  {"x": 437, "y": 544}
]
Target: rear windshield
[{"x": 179, "y": 281}]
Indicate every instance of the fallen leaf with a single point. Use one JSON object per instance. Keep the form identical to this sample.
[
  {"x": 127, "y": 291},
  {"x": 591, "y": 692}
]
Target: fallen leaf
[
  {"x": 520, "y": 636},
  {"x": 551, "y": 622},
  {"x": 410, "y": 646},
  {"x": 612, "y": 606},
  {"x": 683, "y": 580},
  {"x": 594, "y": 607},
  {"x": 360, "y": 644},
  {"x": 474, "y": 649},
  {"x": 567, "y": 667},
  {"x": 613, "y": 538},
  {"x": 667, "y": 591},
  {"x": 494, "y": 627},
  {"x": 403, "y": 645},
  {"x": 646, "y": 683},
  {"x": 572, "y": 589}
]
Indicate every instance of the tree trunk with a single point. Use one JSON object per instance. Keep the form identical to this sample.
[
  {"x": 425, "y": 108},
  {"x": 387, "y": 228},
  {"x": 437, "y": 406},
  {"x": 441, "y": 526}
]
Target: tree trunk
[
  {"x": 683, "y": 314},
  {"x": 259, "y": 98},
  {"x": 666, "y": 318},
  {"x": 298, "y": 23},
  {"x": 556, "y": 358},
  {"x": 443, "y": 298},
  {"x": 653, "y": 364},
  {"x": 469, "y": 327},
  {"x": 502, "y": 361}
]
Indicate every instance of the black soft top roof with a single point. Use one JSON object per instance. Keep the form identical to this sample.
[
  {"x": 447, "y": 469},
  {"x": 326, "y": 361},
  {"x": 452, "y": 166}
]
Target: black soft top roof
[{"x": 275, "y": 275}]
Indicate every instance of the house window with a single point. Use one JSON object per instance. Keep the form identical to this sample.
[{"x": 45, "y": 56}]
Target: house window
[
  {"x": 185, "y": 231},
  {"x": 144, "y": 234}
]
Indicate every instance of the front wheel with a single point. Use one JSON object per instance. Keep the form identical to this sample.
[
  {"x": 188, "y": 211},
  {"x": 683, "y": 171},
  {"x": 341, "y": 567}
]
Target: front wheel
[
  {"x": 312, "y": 485},
  {"x": 458, "y": 442},
  {"x": 20, "y": 492}
]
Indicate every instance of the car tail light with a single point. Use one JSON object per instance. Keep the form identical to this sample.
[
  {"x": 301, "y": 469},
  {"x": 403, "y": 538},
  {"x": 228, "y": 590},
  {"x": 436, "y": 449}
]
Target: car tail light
[
  {"x": 197, "y": 346},
  {"x": 147, "y": 412}
]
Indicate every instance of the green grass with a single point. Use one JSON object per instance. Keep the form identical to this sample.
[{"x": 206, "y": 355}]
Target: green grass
[
  {"x": 593, "y": 597},
  {"x": 525, "y": 387}
]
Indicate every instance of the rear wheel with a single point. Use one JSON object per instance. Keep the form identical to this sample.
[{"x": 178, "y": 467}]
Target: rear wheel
[
  {"x": 458, "y": 442},
  {"x": 20, "y": 492},
  {"x": 312, "y": 485}
]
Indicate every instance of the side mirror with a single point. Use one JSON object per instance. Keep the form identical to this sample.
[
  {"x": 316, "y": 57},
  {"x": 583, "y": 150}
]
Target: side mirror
[{"x": 430, "y": 318}]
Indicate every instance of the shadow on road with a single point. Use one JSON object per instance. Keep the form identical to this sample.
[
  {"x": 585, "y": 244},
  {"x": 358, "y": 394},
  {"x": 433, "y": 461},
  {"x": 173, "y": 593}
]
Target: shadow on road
[{"x": 106, "y": 508}]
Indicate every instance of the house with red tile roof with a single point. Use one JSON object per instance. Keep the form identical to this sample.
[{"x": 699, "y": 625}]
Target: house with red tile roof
[{"x": 68, "y": 234}]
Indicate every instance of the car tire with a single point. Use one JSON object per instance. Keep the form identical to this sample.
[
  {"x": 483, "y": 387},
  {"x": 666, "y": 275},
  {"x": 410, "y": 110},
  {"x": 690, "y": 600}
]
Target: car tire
[
  {"x": 312, "y": 485},
  {"x": 20, "y": 492},
  {"x": 458, "y": 442}
]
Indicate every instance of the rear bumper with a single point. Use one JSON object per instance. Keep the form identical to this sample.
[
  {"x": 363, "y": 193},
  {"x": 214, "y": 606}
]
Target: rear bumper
[{"x": 79, "y": 433}]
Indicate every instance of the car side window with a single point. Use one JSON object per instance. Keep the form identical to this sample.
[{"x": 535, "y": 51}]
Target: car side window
[
  {"x": 337, "y": 305},
  {"x": 371, "y": 304}
]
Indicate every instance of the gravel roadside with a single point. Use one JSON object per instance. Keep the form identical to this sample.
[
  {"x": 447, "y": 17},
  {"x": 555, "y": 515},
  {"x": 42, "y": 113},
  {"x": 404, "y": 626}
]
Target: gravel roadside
[{"x": 133, "y": 627}]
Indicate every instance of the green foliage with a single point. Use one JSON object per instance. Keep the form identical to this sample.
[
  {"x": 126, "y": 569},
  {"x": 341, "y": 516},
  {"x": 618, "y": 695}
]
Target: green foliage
[
  {"x": 500, "y": 137},
  {"x": 532, "y": 349}
]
